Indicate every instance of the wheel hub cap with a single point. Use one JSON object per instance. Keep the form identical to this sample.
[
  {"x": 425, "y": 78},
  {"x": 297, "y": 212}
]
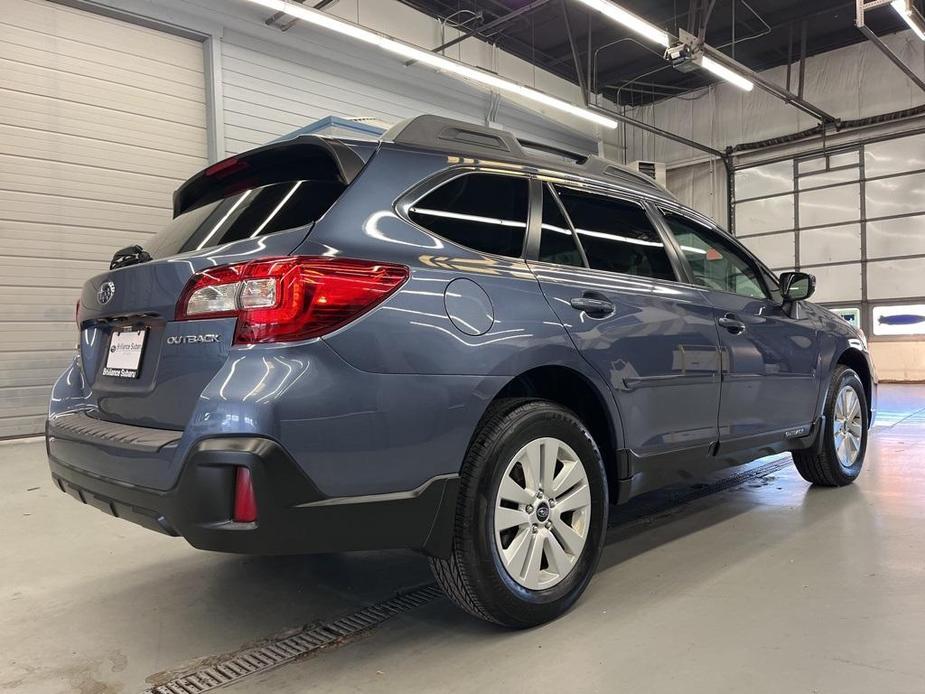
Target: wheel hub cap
[
  {"x": 542, "y": 513},
  {"x": 847, "y": 426}
]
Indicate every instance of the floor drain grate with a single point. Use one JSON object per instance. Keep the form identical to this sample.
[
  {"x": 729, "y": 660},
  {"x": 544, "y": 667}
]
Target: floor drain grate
[{"x": 229, "y": 669}]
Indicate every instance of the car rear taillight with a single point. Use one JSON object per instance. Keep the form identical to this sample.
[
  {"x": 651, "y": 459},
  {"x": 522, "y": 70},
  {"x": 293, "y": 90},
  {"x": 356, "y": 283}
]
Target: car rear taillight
[{"x": 293, "y": 298}]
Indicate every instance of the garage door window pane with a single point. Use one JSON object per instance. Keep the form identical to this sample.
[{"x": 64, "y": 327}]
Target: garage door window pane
[
  {"x": 715, "y": 263},
  {"x": 768, "y": 179},
  {"x": 767, "y": 214},
  {"x": 557, "y": 243},
  {"x": 898, "y": 195},
  {"x": 830, "y": 206},
  {"x": 907, "y": 319},
  {"x": 617, "y": 236},
  {"x": 484, "y": 212},
  {"x": 894, "y": 156}
]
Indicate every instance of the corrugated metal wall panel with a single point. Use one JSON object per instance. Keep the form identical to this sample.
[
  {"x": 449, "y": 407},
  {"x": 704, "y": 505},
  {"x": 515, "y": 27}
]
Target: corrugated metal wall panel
[
  {"x": 272, "y": 90},
  {"x": 100, "y": 120}
]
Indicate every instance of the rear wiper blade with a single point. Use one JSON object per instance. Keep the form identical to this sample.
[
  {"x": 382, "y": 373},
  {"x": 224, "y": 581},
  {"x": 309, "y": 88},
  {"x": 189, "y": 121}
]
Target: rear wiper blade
[{"x": 130, "y": 255}]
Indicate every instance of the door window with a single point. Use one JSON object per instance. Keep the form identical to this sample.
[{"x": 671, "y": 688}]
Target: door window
[
  {"x": 715, "y": 262},
  {"x": 557, "y": 242},
  {"x": 484, "y": 212},
  {"x": 616, "y": 236}
]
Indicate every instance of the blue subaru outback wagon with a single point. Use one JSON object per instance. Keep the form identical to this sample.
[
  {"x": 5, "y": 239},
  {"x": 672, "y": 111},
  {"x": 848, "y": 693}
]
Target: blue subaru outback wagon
[{"x": 450, "y": 341}]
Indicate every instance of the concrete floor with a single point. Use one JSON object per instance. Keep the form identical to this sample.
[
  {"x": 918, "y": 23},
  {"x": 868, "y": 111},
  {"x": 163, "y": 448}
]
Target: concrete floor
[{"x": 767, "y": 587}]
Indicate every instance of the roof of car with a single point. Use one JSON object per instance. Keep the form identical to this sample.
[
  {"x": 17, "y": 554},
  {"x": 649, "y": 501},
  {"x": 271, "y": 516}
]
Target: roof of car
[{"x": 472, "y": 140}]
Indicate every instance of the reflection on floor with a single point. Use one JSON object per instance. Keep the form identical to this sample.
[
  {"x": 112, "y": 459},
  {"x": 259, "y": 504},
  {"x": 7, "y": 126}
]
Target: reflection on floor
[{"x": 769, "y": 585}]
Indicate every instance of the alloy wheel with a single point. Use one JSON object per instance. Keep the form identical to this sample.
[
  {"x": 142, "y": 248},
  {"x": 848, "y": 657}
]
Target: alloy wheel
[
  {"x": 847, "y": 426},
  {"x": 542, "y": 513}
]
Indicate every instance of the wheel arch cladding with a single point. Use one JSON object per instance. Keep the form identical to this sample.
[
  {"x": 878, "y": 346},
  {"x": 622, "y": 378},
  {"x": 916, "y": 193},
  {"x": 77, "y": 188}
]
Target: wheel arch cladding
[
  {"x": 855, "y": 360},
  {"x": 575, "y": 391}
]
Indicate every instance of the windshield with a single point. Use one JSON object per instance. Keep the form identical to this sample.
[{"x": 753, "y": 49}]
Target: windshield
[{"x": 249, "y": 214}]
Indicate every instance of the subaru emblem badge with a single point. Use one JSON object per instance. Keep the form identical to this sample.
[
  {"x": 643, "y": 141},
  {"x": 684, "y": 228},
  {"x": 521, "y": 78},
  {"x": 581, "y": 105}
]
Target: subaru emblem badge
[{"x": 106, "y": 291}]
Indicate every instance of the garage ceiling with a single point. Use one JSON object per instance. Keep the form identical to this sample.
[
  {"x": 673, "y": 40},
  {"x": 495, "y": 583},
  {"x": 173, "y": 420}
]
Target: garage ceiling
[{"x": 757, "y": 33}]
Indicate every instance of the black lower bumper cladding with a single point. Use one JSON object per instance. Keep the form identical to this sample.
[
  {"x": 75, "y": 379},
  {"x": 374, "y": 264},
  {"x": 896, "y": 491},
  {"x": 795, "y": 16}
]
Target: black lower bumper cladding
[{"x": 294, "y": 517}]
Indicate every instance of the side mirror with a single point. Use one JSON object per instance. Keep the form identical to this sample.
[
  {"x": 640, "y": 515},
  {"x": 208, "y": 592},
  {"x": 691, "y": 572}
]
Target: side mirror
[{"x": 797, "y": 286}]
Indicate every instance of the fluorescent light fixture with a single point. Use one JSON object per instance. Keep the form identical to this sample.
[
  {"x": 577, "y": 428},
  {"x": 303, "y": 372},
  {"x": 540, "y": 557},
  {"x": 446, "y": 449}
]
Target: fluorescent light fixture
[
  {"x": 912, "y": 18},
  {"x": 629, "y": 20},
  {"x": 439, "y": 62},
  {"x": 720, "y": 70}
]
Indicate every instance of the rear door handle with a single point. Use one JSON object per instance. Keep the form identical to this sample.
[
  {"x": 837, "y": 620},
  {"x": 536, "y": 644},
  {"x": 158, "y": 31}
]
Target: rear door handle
[
  {"x": 732, "y": 324},
  {"x": 594, "y": 307}
]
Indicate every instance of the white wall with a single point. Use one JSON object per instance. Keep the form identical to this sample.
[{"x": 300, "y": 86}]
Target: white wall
[
  {"x": 317, "y": 64},
  {"x": 849, "y": 83}
]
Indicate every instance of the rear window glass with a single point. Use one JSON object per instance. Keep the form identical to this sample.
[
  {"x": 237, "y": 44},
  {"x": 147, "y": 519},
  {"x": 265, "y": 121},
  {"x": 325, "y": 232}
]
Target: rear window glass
[
  {"x": 484, "y": 212},
  {"x": 253, "y": 213}
]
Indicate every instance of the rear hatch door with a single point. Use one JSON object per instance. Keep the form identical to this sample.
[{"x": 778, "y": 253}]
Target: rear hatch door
[{"x": 141, "y": 366}]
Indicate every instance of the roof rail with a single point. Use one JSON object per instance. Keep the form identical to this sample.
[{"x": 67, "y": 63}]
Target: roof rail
[
  {"x": 460, "y": 137},
  {"x": 605, "y": 167},
  {"x": 454, "y": 135}
]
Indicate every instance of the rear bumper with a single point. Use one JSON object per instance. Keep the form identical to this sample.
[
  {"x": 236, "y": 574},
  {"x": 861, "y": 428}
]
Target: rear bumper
[{"x": 293, "y": 516}]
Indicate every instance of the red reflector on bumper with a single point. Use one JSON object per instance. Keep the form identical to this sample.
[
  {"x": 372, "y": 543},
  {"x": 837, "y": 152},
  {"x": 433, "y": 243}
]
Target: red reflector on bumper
[{"x": 245, "y": 501}]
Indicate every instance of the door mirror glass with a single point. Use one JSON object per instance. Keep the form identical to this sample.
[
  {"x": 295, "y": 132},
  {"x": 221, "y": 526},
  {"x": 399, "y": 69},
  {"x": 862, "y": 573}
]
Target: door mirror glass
[{"x": 797, "y": 286}]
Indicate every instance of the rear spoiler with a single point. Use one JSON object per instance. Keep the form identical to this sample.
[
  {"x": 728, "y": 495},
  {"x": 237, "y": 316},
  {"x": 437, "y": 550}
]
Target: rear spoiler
[{"x": 308, "y": 157}]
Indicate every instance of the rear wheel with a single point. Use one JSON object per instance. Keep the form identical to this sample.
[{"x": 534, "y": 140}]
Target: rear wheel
[
  {"x": 839, "y": 459},
  {"x": 531, "y": 516}
]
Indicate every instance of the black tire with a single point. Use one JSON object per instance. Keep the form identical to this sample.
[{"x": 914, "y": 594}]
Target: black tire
[
  {"x": 474, "y": 576},
  {"x": 821, "y": 466}
]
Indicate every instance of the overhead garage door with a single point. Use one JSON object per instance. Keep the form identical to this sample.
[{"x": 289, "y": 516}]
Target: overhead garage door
[
  {"x": 100, "y": 120},
  {"x": 855, "y": 218}
]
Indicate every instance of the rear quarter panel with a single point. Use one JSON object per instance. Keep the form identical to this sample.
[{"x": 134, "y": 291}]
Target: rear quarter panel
[{"x": 412, "y": 333}]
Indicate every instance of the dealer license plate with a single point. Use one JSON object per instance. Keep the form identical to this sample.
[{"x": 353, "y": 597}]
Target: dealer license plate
[{"x": 125, "y": 350}]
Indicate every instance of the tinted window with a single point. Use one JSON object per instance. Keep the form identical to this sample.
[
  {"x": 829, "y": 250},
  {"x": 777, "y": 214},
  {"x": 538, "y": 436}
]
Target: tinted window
[
  {"x": 250, "y": 214},
  {"x": 617, "y": 236},
  {"x": 557, "y": 243},
  {"x": 715, "y": 262},
  {"x": 770, "y": 281},
  {"x": 485, "y": 212}
]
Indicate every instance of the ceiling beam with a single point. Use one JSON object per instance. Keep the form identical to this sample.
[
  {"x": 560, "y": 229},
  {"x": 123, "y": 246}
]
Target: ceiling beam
[
  {"x": 494, "y": 24},
  {"x": 781, "y": 93},
  {"x": 861, "y": 7},
  {"x": 478, "y": 32},
  {"x": 897, "y": 61}
]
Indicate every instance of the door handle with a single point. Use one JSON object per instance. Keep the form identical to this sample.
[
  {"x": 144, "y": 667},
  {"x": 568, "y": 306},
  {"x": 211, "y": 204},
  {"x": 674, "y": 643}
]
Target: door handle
[
  {"x": 595, "y": 308},
  {"x": 732, "y": 324}
]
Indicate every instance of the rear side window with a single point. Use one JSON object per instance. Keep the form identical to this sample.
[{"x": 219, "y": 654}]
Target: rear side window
[
  {"x": 484, "y": 212},
  {"x": 249, "y": 214},
  {"x": 557, "y": 242},
  {"x": 617, "y": 236}
]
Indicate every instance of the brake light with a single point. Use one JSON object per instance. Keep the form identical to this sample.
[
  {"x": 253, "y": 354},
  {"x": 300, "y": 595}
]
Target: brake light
[
  {"x": 286, "y": 299},
  {"x": 226, "y": 167}
]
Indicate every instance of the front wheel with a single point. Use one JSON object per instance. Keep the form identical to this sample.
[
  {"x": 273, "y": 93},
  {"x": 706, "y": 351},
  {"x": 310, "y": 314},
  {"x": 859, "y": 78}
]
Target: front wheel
[
  {"x": 839, "y": 459},
  {"x": 531, "y": 516}
]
